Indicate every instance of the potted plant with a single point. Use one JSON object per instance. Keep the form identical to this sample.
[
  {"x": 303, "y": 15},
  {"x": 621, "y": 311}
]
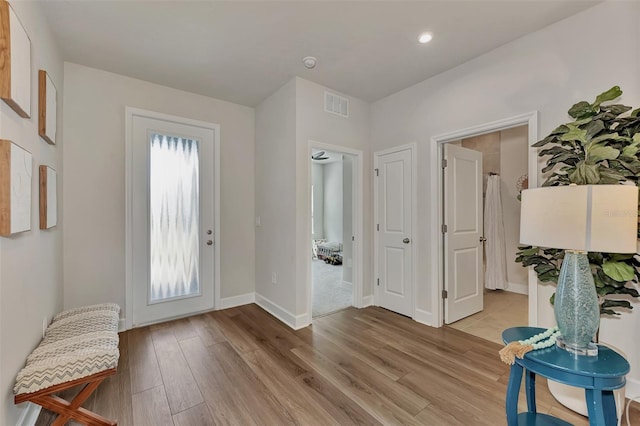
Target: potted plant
[{"x": 600, "y": 146}]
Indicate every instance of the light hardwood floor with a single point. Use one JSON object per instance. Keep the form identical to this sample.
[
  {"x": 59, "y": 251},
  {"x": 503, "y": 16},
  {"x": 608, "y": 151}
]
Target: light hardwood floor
[{"x": 241, "y": 366}]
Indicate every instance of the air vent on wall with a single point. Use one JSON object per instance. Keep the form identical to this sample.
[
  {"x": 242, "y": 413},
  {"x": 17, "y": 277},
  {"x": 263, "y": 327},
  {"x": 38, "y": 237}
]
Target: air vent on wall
[{"x": 336, "y": 104}]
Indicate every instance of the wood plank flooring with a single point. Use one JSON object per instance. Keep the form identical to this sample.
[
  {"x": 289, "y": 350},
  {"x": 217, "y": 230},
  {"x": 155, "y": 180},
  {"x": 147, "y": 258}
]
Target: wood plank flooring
[{"x": 367, "y": 366}]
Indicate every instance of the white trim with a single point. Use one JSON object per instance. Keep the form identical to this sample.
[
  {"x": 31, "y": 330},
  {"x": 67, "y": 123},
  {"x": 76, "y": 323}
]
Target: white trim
[
  {"x": 632, "y": 389},
  {"x": 233, "y": 301},
  {"x": 29, "y": 415},
  {"x": 435, "y": 203},
  {"x": 517, "y": 288},
  {"x": 424, "y": 317},
  {"x": 413, "y": 148},
  {"x": 357, "y": 217},
  {"x": 122, "y": 325},
  {"x": 367, "y": 301},
  {"x": 130, "y": 112},
  {"x": 294, "y": 321}
]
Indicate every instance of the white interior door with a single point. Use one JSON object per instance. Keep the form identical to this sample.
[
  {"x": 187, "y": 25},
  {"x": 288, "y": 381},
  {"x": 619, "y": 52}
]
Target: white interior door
[
  {"x": 172, "y": 200},
  {"x": 394, "y": 198},
  {"x": 463, "y": 246}
]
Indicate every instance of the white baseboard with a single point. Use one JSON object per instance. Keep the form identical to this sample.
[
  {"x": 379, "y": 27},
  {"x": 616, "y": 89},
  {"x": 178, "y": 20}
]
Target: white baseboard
[
  {"x": 518, "y": 288},
  {"x": 424, "y": 317},
  {"x": 122, "y": 325},
  {"x": 632, "y": 390},
  {"x": 233, "y": 301},
  {"x": 294, "y": 321},
  {"x": 29, "y": 415},
  {"x": 367, "y": 301}
]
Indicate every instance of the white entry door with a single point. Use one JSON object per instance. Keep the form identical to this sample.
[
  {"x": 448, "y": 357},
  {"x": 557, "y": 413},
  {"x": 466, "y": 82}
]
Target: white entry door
[
  {"x": 463, "y": 239},
  {"x": 394, "y": 251},
  {"x": 172, "y": 217}
]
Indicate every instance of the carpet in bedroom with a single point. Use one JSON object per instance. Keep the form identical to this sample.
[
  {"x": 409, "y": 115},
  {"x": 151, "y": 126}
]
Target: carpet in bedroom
[{"x": 330, "y": 293}]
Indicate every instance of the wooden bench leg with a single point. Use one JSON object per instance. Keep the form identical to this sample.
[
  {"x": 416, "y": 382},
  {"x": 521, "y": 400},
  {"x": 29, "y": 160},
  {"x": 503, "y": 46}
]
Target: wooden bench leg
[{"x": 71, "y": 410}]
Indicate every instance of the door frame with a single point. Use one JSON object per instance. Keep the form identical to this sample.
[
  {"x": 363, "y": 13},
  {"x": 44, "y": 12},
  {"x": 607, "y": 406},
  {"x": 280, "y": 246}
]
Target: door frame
[
  {"x": 130, "y": 113},
  {"x": 357, "y": 225},
  {"x": 413, "y": 149},
  {"x": 435, "y": 203}
]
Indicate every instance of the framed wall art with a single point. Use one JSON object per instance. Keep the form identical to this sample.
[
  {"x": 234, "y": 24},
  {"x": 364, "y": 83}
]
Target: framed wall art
[
  {"x": 47, "y": 106},
  {"x": 15, "y": 62},
  {"x": 15, "y": 188},
  {"x": 48, "y": 198}
]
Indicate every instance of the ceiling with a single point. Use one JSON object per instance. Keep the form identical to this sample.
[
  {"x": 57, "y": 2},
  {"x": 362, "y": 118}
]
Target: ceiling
[{"x": 242, "y": 51}]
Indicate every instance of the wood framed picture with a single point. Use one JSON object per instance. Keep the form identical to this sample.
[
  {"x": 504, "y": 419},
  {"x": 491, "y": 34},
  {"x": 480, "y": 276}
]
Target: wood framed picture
[
  {"x": 15, "y": 188},
  {"x": 15, "y": 62},
  {"x": 47, "y": 106},
  {"x": 48, "y": 198}
]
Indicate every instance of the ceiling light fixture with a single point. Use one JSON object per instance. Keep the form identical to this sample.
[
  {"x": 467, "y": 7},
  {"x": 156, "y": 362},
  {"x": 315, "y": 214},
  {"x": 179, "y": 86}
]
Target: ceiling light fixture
[
  {"x": 309, "y": 62},
  {"x": 425, "y": 38}
]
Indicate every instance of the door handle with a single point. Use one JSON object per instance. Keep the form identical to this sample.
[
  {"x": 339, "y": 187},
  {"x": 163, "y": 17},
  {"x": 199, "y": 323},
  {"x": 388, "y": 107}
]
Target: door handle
[
  {"x": 483, "y": 239},
  {"x": 209, "y": 242},
  {"x": 406, "y": 241}
]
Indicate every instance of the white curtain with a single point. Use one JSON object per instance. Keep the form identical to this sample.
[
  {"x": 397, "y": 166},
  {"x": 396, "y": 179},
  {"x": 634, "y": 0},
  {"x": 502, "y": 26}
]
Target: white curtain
[{"x": 495, "y": 276}]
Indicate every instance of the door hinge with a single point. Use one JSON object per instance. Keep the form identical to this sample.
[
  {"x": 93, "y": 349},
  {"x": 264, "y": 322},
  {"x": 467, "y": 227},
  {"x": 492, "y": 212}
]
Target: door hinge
[
  {"x": 378, "y": 281},
  {"x": 376, "y": 170},
  {"x": 444, "y": 228},
  {"x": 444, "y": 163},
  {"x": 353, "y": 238},
  {"x": 445, "y": 294},
  {"x": 377, "y": 226}
]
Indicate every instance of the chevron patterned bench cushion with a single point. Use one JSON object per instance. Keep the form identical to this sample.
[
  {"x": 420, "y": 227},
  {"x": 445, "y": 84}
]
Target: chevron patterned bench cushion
[
  {"x": 75, "y": 345},
  {"x": 75, "y": 311}
]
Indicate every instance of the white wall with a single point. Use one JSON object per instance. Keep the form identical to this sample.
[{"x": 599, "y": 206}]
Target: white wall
[
  {"x": 94, "y": 191},
  {"x": 275, "y": 198},
  {"x": 314, "y": 124},
  {"x": 347, "y": 218},
  {"x": 285, "y": 123},
  {"x": 317, "y": 179},
  {"x": 333, "y": 201},
  {"x": 30, "y": 262},
  {"x": 545, "y": 71}
]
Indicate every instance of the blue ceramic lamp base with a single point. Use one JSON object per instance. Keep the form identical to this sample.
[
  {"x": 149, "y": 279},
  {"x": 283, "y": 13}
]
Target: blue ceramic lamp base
[{"x": 576, "y": 305}]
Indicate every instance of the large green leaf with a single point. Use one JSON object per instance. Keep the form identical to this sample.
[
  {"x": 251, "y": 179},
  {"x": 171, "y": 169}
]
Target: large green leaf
[
  {"x": 574, "y": 134},
  {"x": 593, "y": 128},
  {"x": 585, "y": 174},
  {"x": 609, "y": 95},
  {"x": 619, "y": 271},
  {"x": 581, "y": 109},
  {"x": 598, "y": 153},
  {"x": 609, "y": 137}
]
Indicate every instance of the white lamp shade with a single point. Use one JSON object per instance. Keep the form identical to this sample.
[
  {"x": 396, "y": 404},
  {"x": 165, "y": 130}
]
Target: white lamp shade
[{"x": 597, "y": 218}]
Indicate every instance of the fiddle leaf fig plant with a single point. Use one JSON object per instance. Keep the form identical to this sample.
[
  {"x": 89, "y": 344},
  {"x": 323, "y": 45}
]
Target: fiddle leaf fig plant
[{"x": 600, "y": 146}]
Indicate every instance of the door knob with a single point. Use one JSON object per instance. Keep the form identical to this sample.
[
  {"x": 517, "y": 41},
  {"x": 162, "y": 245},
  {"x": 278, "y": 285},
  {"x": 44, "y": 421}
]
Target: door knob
[
  {"x": 406, "y": 241},
  {"x": 209, "y": 242},
  {"x": 483, "y": 239}
]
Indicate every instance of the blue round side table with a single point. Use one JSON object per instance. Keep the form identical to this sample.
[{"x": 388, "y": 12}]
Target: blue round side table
[{"x": 598, "y": 375}]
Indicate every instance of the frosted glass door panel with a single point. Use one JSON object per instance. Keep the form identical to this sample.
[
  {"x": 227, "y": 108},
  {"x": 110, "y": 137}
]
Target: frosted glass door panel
[
  {"x": 172, "y": 229},
  {"x": 174, "y": 204}
]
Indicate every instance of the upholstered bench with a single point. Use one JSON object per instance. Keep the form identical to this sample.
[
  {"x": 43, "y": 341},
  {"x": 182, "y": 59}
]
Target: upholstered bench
[{"x": 80, "y": 346}]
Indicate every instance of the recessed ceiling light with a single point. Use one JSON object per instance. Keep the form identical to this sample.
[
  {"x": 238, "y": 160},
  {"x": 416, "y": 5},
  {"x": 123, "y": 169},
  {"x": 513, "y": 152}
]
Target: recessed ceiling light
[{"x": 425, "y": 38}]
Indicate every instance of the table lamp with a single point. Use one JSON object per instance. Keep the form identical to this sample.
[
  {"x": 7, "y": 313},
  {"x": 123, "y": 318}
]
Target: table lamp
[{"x": 579, "y": 219}]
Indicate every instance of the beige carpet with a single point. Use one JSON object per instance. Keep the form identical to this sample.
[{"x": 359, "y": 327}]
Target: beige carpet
[{"x": 330, "y": 293}]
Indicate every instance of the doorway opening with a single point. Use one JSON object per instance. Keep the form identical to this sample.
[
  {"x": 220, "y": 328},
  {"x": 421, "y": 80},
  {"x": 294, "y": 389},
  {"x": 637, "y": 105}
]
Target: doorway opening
[
  {"x": 502, "y": 289},
  {"x": 437, "y": 226},
  {"x": 331, "y": 231},
  {"x": 335, "y": 229}
]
